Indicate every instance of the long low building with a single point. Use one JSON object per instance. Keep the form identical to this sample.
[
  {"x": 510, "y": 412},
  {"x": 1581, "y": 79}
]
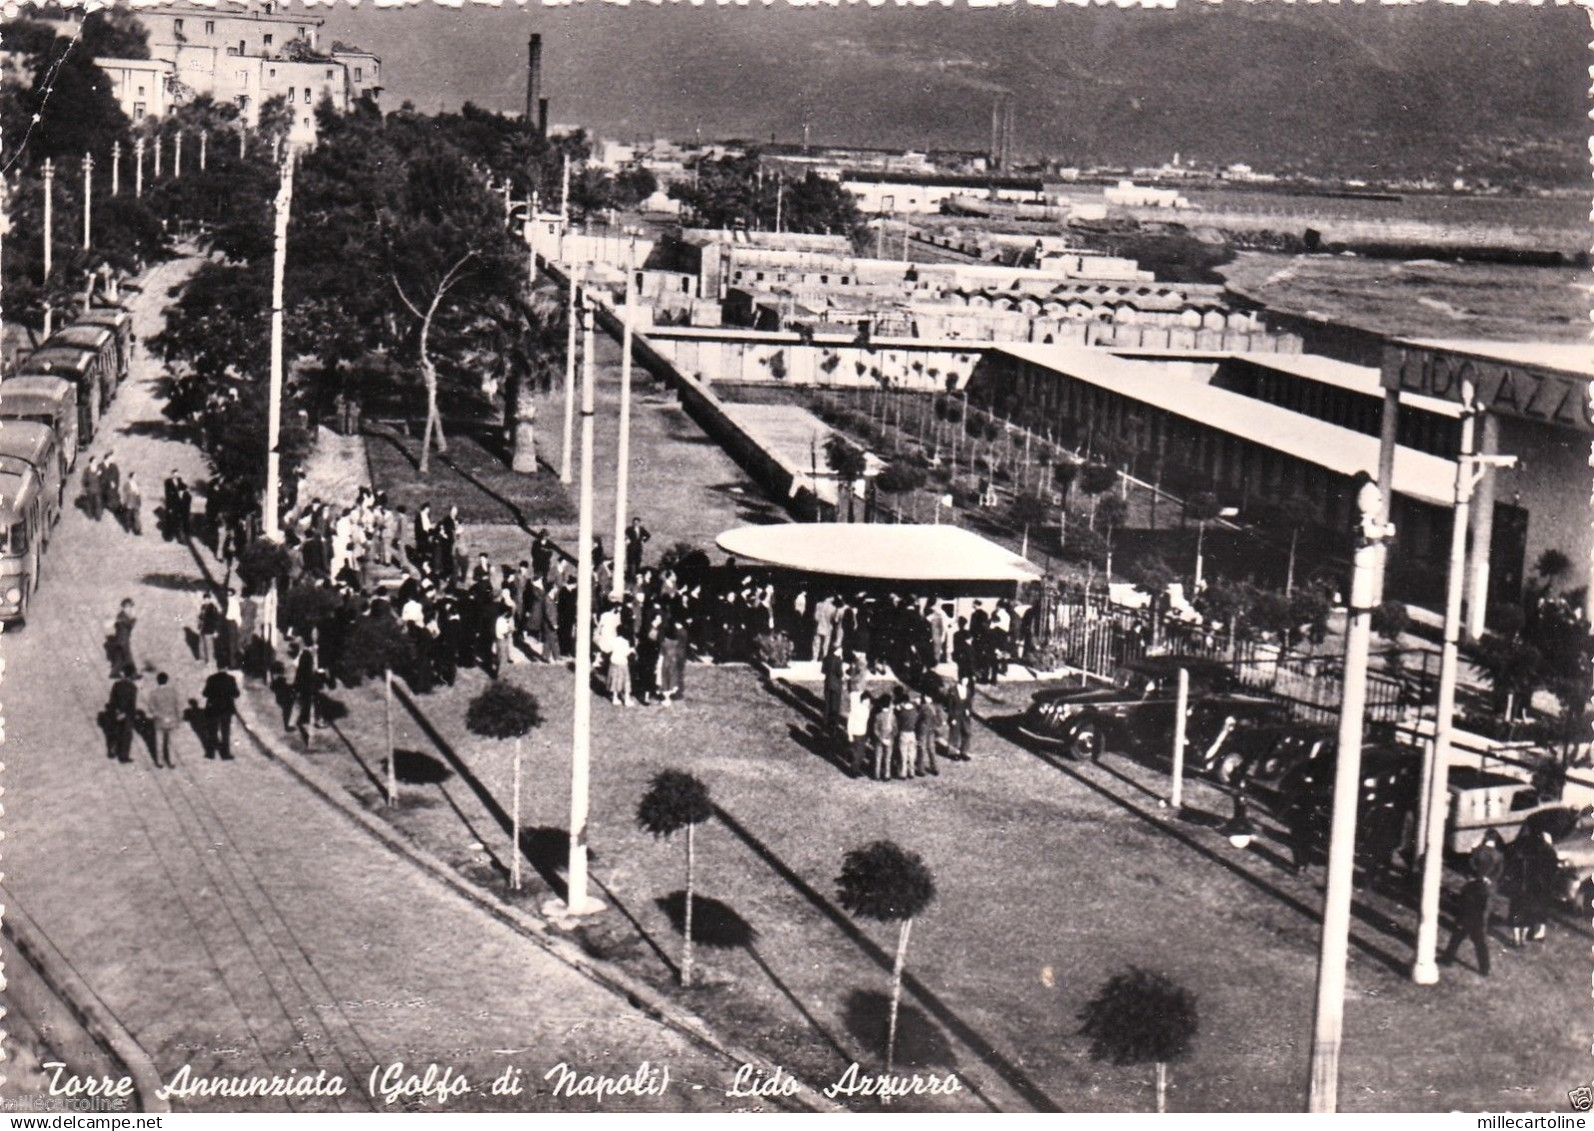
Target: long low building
[{"x": 1249, "y": 450}]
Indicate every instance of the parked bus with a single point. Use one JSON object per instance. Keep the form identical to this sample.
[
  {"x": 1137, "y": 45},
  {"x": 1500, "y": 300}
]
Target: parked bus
[
  {"x": 47, "y": 400},
  {"x": 120, "y": 322},
  {"x": 100, "y": 339},
  {"x": 22, "y": 525},
  {"x": 29, "y": 443},
  {"x": 82, "y": 367}
]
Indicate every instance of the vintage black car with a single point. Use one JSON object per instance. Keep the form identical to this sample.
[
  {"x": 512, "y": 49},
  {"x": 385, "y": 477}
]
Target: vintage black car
[
  {"x": 1386, "y": 803},
  {"x": 1260, "y": 758},
  {"x": 1136, "y": 714}
]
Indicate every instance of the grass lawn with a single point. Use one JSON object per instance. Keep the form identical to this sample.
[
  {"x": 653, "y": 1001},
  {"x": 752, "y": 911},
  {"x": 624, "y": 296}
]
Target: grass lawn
[
  {"x": 473, "y": 475},
  {"x": 1051, "y": 877}
]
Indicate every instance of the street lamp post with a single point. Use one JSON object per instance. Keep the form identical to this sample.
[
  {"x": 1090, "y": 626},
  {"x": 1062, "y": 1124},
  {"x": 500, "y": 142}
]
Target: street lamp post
[
  {"x": 138, "y": 167},
  {"x": 88, "y": 198},
  {"x": 571, "y": 320},
  {"x": 577, "y": 901},
  {"x": 159, "y": 141},
  {"x": 49, "y": 238},
  {"x": 1436, "y": 769},
  {"x": 177, "y": 155},
  {"x": 270, "y": 504},
  {"x": 1328, "y": 1022},
  {"x": 622, "y": 461},
  {"x": 116, "y": 168},
  {"x": 204, "y": 146}
]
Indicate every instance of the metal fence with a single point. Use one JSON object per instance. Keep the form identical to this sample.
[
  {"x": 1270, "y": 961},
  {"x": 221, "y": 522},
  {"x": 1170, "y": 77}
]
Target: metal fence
[{"x": 1098, "y": 638}]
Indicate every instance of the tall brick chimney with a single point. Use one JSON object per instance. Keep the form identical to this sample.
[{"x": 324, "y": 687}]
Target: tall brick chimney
[{"x": 536, "y": 104}]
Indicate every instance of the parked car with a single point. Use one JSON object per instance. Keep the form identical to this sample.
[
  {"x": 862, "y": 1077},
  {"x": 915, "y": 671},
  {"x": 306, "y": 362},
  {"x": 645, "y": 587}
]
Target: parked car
[
  {"x": 1571, "y": 830},
  {"x": 1136, "y": 714},
  {"x": 1481, "y": 800},
  {"x": 1260, "y": 758},
  {"x": 1386, "y": 803}
]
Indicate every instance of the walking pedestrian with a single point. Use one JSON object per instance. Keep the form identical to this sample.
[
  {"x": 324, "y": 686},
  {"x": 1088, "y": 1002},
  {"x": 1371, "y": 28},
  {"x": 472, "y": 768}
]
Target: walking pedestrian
[
  {"x": 110, "y": 485},
  {"x": 308, "y": 680},
  {"x": 636, "y": 537},
  {"x": 907, "y": 736},
  {"x": 960, "y": 718},
  {"x": 931, "y": 720},
  {"x": 620, "y": 670},
  {"x": 209, "y": 627},
  {"x": 122, "y": 713},
  {"x": 1474, "y": 910},
  {"x": 166, "y": 710},
  {"x": 1531, "y": 866},
  {"x": 883, "y": 732},
  {"x": 221, "y": 703},
  {"x": 122, "y": 637},
  {"x": 92, "y": 493},
  {"x": 132, "y": 505},
  {"x": 835, "y": 673}
]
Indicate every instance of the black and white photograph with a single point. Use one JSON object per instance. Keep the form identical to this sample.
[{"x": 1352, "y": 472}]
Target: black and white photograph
[{"x": 652, "y": 557}]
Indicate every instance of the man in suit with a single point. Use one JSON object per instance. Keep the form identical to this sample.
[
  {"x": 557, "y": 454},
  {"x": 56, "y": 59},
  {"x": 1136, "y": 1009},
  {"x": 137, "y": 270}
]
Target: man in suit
[
  {"x": 221, "y": 703},
  {"x": 122, "y": 713},
  {"x": 636, "y": 536},
  {"x": 111, "y": 485},
  {"x": 960, "y": 719},
  {"x": 93, "y": 498},
  {"x": 834, "y": 668},
  {"x": 185, "y": 510},
  {"x": 542, "y": 553},
  {"x": 168, "y": 523},
  {"x": 824, "y": 626}
]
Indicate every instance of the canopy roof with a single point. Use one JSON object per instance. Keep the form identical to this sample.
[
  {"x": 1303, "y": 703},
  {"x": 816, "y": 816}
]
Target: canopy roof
[{"x": 882, "y": 551}]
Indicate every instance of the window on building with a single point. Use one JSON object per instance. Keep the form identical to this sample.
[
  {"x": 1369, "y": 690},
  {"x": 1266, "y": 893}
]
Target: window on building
[
  {"x": 305, "y": 120},
  {"x": 210, "y": 27},
  {"x": 138, "y": 110},
  {"x": 358, "y": 75},
  {"x": 269, "y": 38},
  {"x": 307, "y": 96},
  {"x": 242, "y": 47},
  {"x": 141, "y": 92},
  {"x": 273, "y": 72},
  {"x": 177, "y": 25},
  {"x": 299, "y": 31},
  {"x": 290, "y": 96},
  {"x": 329, "y": 76}
]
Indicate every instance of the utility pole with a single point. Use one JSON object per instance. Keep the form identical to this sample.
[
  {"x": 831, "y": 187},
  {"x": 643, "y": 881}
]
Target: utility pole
[
  {"x": 1330, "y": 1013},
  {"x": 138, "y": 167},
  {"x": 564, "y": 193},
  {"x": 204, "y": 146},
  {"x": 577, "y": 902},
  {"x": 177, "y": 156},
  {"x": 780, "y": 203},
  {"x": 159, "y": 139},
  {"x": 243, "y": 138},
  {"x": 49, "y": 239},
  {"x": 116, "y": 169},
  {"x": 622, "y": 460},
  {"x": 88, "y": 198},
  {"x": 1470, "y": 467},
  {"x": 571, "y": 319},
  {"x": 269, "y": 504}
]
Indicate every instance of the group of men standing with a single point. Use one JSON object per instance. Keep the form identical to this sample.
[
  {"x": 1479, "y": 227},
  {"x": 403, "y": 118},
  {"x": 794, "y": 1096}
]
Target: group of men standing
[{"x": 105, "y": 489}]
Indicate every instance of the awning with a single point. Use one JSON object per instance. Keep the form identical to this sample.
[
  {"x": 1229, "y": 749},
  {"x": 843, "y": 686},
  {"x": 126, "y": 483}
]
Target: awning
[{"x": 910, "y": 553}]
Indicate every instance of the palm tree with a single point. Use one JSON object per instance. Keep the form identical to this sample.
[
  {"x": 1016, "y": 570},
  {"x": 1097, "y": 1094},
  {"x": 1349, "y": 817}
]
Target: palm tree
[
  {"x": 882, "y": 881},
  {"x": 676, "y": 800},
  {"x": 1141, "y": 1017},
  {"x": 506, "y": 710},
  {"x": 377, "y": 644},
  {"x": 847, "y": 462}
]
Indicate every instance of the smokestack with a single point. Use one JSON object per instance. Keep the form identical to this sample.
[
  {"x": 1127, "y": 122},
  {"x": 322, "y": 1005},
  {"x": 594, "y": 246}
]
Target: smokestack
[
  {"x": 1007, "y": 134},
  {"x": 996, "y": 134},
  {"x": 534, "y": 99},
  {"x": 542, "y": 117}
]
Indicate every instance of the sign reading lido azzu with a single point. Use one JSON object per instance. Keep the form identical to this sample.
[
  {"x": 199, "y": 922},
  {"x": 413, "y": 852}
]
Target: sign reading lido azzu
[{"x": 1505, "y": 388}]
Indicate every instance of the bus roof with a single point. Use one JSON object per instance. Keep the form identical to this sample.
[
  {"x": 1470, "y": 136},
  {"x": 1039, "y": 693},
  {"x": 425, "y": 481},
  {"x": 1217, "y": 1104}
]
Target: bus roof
[
  {"x": 36, "y": 386},
  {"x": 25, "y": 439},
  {"x": 81, "y": 334},
  {"x": 64, "y": 357}
]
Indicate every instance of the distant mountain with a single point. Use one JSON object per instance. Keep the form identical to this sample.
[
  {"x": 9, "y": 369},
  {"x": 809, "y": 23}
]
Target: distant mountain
[{"x": 1367, "y": 90}]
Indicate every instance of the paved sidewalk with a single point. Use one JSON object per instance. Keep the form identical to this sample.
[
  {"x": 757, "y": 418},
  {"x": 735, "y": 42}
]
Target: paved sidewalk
[{"x": 232, "y": 921}]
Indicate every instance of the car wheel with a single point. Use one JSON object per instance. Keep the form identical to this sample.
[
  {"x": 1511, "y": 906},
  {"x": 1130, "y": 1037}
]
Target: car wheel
[
  {"x": 1085, "y": 743},
  {"x": 1229, "y": 767}
]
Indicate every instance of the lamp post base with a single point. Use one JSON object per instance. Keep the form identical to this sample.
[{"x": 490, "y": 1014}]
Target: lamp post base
[
  {"x": 557, "y": 910},
  {"x": 1425, "y": 972}
]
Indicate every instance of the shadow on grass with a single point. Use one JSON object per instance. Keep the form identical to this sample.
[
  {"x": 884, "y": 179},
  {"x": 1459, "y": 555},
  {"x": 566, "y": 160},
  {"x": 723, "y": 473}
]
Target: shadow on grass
[
  {"x": 1010, "y": 1073},
  {"x": 416, "y": 768},
  {"x": 714, "y": 923},
  {"x": 1169, "y": 824},
  {"x": 920, "y": 1042}
]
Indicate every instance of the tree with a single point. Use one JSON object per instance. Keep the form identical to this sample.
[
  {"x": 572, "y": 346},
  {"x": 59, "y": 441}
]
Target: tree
[
  {"x": 676, "y": 801},
  {"x": 377, "y": 644},
  {"x": 884, "y": 882},
  {"x": 1140, "y": 1017},
  {"x": 901, "y": 477},
  {"x": 1111, "y": 513},
  {"x": 848, "y": 464},
  {"x": 1203, "y": 507},
  {"x": 1027, "y": 511},
  {"x": 506, "y": 710}
]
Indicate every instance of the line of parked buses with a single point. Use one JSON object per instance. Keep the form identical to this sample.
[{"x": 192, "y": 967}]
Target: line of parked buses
[{"x": 50, "y": 407}]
